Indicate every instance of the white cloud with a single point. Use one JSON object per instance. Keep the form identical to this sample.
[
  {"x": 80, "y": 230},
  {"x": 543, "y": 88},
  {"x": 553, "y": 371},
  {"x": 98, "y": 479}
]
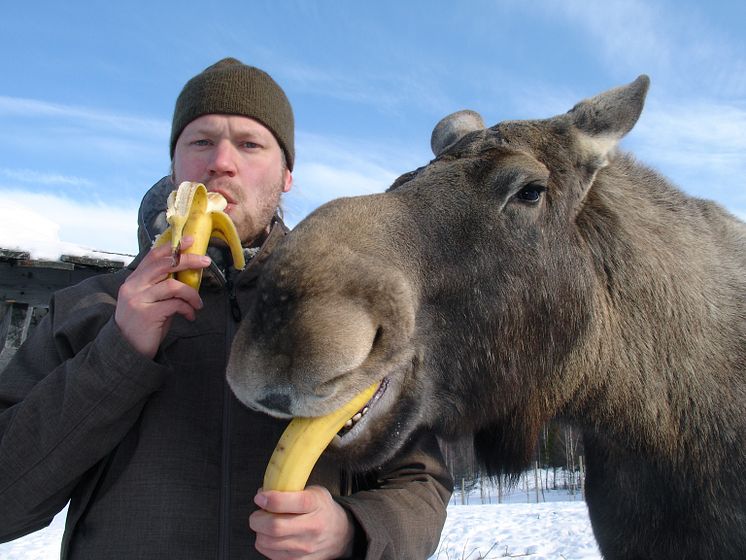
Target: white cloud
[
  {"x": 34, "y": 108},
  {"x": 80, "y": 138},
  {"x": 673, "y": 44},
  {"x": 334, "y": 167},
  {"x": 322, "y": 182},
  {"x": 623, "y": 31},
  {"x": 701, "y": 145},
  {"x": 391, "y": 90},
  {"x": 698, "y": 125},
  {"x": 48, "y": 226},
  {"x": 39, "y": 178}
]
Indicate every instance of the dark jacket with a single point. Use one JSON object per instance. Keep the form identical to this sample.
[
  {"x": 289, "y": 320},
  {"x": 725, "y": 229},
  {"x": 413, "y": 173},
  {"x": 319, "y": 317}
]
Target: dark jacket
[{"x": 158, "y": 458}]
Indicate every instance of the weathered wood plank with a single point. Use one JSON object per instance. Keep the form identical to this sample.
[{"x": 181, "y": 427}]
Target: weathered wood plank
[
  {"x": 92, "y": 261},
  {"x": 6, "y": 317},
  {"x": 13, "y": 254},
  {"x": 26, "y": 323},
  {"x": 33, "y": 263},
  {"x": 35, "y": 285}
]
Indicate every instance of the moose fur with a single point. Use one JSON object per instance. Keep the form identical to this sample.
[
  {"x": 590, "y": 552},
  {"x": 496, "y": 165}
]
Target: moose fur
[{"x": 530, "y": 271}]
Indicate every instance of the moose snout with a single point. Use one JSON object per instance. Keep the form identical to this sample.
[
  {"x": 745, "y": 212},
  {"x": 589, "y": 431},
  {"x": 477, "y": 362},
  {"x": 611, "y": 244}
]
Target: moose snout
[{"x": 319, "y": 332}]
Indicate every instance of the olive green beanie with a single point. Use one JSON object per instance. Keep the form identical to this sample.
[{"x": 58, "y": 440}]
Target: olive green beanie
[{"x": 230, "y": 87}]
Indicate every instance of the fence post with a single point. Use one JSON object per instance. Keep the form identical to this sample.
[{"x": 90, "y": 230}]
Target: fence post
[
  {"x": 27, "y": 322},
  {"x": 6, "y": 317}
]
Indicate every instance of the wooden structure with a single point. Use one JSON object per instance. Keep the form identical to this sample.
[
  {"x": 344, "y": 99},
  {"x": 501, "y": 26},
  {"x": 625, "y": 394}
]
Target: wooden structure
[{"x": 26, "y": 286}]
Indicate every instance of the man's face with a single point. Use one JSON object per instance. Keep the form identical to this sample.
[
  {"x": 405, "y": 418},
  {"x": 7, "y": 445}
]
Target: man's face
[{"x": 239, "y": 158}]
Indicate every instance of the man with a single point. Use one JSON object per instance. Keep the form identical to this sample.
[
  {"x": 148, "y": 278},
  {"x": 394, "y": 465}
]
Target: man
[{"x": 118, "y": 401}]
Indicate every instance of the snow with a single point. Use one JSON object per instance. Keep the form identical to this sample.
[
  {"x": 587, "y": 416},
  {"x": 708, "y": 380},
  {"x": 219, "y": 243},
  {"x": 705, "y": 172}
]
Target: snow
[
  {"x": 551, "y": 530},
  {"x": 25, "y": 228},
  {"x": 41, "y": 545},
  {"x": 543, "y": 531},
  {"x": 556, "y": 527}
]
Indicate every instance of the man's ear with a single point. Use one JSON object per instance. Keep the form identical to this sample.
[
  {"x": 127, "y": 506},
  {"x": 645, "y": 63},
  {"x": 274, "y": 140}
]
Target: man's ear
[{"x": 287, "y": 182}]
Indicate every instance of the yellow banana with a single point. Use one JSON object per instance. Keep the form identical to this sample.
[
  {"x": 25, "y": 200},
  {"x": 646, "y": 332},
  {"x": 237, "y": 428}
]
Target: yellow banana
[
  {"x": 193, "y": 211},
  {"x": 303, "y": 442}
]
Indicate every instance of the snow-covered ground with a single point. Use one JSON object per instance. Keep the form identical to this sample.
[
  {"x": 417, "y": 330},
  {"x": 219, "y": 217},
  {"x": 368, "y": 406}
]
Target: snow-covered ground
[
  {"x": 555, "y": 528},
  {"x": 552, "y": 530},
  {"x": 544, "y": 531},
  {"x": 42, "y": 545}
]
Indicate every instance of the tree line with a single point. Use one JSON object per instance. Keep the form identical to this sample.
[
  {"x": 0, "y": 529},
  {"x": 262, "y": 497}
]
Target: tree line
[{"x": 557, "y": 464}]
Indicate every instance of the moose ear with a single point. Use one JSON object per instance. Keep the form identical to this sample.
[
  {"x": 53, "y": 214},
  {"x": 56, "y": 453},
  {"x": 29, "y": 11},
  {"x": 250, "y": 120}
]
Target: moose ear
[
  {"x": 607, "y": 117},
  {"x": 452, "y": 128}
]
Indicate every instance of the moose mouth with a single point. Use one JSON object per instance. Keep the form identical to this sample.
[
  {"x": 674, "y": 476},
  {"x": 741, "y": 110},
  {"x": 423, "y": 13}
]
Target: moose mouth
[
  {"x": 357, "y": 419},
  {"x": 371, "y": 424}
]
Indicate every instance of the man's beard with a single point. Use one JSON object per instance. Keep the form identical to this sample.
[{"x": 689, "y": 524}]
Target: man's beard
[
  {"x": 255, "y": 226},
  {"x": 250, "y": 227}
]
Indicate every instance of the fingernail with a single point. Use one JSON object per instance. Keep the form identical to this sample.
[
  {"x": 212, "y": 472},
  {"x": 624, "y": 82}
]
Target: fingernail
[
  {"x": 205, "y": 260},
  {"x": 261, "y": 500}
]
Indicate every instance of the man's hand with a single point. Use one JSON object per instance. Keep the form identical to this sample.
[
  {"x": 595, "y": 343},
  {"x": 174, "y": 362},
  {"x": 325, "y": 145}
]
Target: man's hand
[
  {"x": 307, "y": 524},
  {"x": 148, "y": 299}
]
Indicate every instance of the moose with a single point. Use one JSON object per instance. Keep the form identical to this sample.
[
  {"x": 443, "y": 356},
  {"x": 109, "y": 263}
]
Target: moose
[{"x": 532, "y": 271}]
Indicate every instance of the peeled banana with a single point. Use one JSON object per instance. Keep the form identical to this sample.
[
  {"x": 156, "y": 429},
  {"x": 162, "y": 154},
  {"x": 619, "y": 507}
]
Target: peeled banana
[
  {"x": 303, "y": 442},
  {"x": 193, "y": 211}
]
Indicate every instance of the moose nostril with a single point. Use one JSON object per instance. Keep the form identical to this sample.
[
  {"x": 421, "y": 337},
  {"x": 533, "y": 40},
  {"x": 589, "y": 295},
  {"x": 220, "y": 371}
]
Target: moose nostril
[
  {"x": 277, "y": 402},
  {"x": 377, "y": 338}
]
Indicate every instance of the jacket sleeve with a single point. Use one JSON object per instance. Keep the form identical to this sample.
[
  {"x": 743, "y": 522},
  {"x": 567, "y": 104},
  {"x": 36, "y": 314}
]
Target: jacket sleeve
[
  {"x": 67, "y": 397},
  {"x": 402, "y": 515}
]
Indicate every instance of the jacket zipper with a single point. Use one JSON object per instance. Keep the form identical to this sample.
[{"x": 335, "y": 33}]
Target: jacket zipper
[{"x": 233, "y": 318}]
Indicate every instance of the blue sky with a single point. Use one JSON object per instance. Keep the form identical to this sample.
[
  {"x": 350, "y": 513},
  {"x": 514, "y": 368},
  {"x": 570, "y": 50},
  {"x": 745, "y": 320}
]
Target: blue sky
[{"x": 88, "y": 90}]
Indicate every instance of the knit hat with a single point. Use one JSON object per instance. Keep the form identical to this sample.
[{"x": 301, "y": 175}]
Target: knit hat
[{"x": 230, "y": 87}]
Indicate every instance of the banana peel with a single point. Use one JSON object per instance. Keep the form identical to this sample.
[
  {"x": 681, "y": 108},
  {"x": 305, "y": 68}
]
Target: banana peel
[
  {"x": 191, "y": 210},
  {"x": 303, "y": 442}
]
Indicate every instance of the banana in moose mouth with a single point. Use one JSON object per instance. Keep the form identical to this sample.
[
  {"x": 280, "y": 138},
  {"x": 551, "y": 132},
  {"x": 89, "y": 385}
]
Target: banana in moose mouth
[
  {"x": 193, "y": 211},
  {"x": 305, "y": 439}
]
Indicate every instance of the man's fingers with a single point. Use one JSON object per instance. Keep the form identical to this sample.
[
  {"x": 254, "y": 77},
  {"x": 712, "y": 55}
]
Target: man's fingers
[
  {"x": 153, "y": 296},
  {"x": 307, "y": 524},
  {"x": 165, "y": 250},
  {"x": 160, "y": 261},
  {"x": 290, "y": 502},
  {"x": 158, "y": 268},
  {"x": 173, "y": 289},
  {"x": 285, "y": 549},
  {"x": 188, "y": 261},
  {"x": 284, "y": 534},
  {"x": 173, "y": 306},
  {"x": 276, "y": 525}
]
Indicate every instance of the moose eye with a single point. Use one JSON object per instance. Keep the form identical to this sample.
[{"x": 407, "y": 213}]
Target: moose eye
[{"x": 530, "y": 193}]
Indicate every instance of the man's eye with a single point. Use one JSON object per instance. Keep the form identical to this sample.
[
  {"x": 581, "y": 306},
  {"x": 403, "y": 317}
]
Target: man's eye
[
  {"x": 202, "y": 142},
  {"x": 250, "y": 145}
]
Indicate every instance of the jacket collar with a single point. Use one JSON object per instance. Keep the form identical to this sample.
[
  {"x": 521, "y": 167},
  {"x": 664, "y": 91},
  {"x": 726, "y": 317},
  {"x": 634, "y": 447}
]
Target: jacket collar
[{"x": 256, "y": 256}]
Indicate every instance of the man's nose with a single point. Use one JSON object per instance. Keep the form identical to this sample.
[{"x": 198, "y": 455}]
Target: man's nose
[{"x": 223, "y": 159}]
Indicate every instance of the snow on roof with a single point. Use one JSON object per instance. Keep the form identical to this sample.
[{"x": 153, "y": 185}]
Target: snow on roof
[{"x": 27, "y": 231}]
